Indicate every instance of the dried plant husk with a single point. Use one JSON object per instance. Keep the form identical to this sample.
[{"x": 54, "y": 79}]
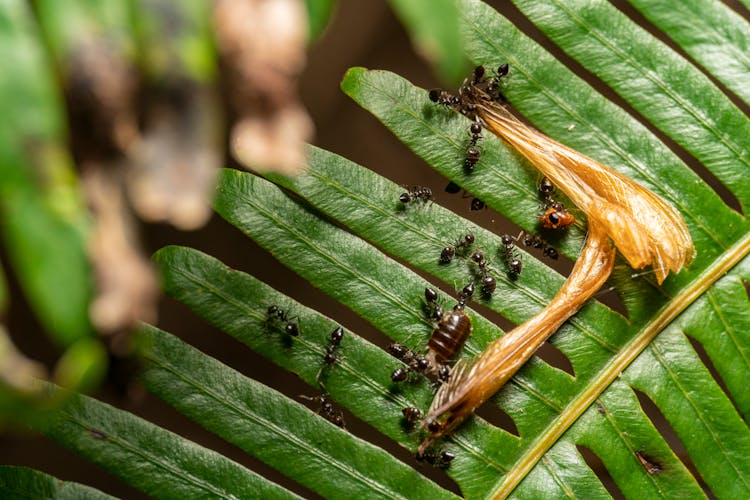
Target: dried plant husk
[
  {"x": 474, "y": 381},
  {"x": 645, "y": 229}
]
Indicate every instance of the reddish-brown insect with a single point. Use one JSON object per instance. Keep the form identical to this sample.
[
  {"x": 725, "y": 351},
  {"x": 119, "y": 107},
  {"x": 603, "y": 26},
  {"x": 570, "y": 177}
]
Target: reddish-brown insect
[
  {"x": 556, "y": 217},
  {"x": 453, "y": 328}
]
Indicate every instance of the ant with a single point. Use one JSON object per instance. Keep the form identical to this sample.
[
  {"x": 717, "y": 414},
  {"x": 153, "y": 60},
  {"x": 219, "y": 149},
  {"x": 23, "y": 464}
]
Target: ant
[
  {"x": 478, "y": 86},
  {"x": 331, "y": 351},
  {"x": 447, "y": 254},
  {"x": 411, "y": 414},
  {"x": 336, "y": 335},
  {"x": 327, "y": 409},
  {"x": 510, "y": 255},
  {"x": 440, "y": 460},
  {"x": 488, "y": 282},
  {"x": 476, "y": 203},
  {"x": 452, "y": 330},
  {"x": 555, "y": 215},
  {"x": 413, "y": 361},
  {"x": 416, "y": 193},
  {"x": 290, "y": 328},
  {"x": 472, "y": 152},
  {"x": 535, "y": 241}
]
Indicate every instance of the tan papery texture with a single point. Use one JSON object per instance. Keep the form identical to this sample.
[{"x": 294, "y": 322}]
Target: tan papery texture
[
  {"x": 473, "y": 382},
  {"x": 645, "y": 229}
]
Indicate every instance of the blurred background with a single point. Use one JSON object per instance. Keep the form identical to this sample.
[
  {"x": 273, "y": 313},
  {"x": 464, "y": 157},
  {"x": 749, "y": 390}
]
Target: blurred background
[{"x": 369, "y": 34}]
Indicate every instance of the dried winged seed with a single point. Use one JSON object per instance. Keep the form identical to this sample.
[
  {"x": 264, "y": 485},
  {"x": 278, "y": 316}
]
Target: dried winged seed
[
  {"x": 645, "y": 228},
  {"x": 472, "y": 383}
]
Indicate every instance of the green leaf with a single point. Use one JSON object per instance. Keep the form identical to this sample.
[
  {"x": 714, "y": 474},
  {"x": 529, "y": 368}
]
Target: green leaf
[
  {"x": 268, "y": 425},
  {"x": 714, "y": 35},
  {"x": 341, "y": 227},
  {"x": 665, "y": 88},
  {"x": 22, "y": 482},
  {"x": 154, "y": 460},
  {"x": 544, "y": 91},
  {"x": 434, "y": 29},
  {"x": 318, "y": 16},
  {"x": 3, "y": 291},
  {"x": 44, "y": 218}
]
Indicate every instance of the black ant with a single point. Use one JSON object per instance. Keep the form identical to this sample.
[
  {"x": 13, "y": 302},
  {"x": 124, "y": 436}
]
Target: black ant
[
  {"x": 416, "y": 193},
  {"x": 488, "y": 282},
  {"x": 327, "y": 410},
  {"x": 413, "y": 361},
  {"x": 479, "y": 85},
  {"x": 447, "y": 254},
  {"x": 441, "y": 460},
  {"x": 535, "y": 241},
  {"x": 555, "y": 215},
  {"x": 472, "y": 152},
  {"x": 477, "y": 204},
  {"x": 512, "y": 260},
  {"x": 331, "y": 351},
  {"x": 411, "y": 414},
  {"x": 290, "y": 328},
  {"x": 336, "y": 335}
]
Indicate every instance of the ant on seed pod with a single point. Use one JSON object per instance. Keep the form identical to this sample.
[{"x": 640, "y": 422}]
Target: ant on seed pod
[
  {"x": 448, "y": 337},
  {"x": 275, "y": 312},
  {"x": 555, "y": 215},
  {"x": 479, "y": 84}
]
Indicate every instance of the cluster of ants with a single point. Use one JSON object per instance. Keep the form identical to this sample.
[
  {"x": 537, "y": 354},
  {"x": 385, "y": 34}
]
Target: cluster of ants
[
  {"x": 453, "y": 326},
  {"x": 326, "y": 409},
  {"x": 452, "y": 329}
]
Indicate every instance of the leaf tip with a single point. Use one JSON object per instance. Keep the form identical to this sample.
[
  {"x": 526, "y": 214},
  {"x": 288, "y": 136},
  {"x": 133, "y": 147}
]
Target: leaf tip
[{"x": 351, "y": 78}]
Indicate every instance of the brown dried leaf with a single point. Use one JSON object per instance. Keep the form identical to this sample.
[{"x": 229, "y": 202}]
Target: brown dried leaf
[
  {"x": 127, "y": 290},
  {"x": 262, "y": 44},
  {"x": 16, "y": 370}
]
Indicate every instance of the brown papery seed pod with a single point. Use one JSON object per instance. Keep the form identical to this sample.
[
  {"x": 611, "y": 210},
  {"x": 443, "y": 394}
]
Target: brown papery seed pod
[
  {"x": 645, "y": 228},
  {"x": 473, "y": 382}
]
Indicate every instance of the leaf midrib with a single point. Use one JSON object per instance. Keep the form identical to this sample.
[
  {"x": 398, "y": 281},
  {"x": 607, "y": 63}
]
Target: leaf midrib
[
  {"x": 693, "y": 290},
  {"x": 355, "y": 374},
  {"x": 279, "y": 431},
  {"x": 156, "y": 460}
]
